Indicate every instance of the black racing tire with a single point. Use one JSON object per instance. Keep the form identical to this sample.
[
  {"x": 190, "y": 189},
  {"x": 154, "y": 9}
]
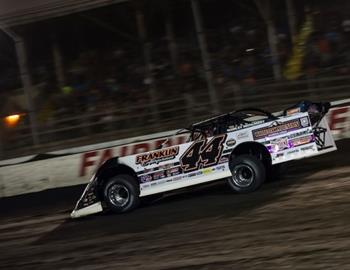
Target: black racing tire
[
  {"x": 121, "y": 193},
  {"x": 248, "y": 173}
]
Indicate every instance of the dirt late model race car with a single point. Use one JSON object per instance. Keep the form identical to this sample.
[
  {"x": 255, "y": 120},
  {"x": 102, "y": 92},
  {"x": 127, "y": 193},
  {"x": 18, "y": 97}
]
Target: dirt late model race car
[{"x": 244, "y": 146}]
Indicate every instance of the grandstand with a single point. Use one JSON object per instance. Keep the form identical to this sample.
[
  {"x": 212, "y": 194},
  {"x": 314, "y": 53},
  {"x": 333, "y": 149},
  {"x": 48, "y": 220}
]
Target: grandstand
[{"x": 102, "y": 70}]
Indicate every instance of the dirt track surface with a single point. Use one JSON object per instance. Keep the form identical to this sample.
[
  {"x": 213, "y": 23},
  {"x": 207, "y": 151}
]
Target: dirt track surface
[{"x": 301, "y": 222}]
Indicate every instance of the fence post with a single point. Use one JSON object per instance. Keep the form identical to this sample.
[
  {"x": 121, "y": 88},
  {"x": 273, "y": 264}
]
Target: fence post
[
  {"x": 146, "y": 48},
  {"x": 205, "y": 56},
  {"x": 26, "y": 80},
  {"x": 1, "y": 144},
  {"x": 58, "y": 62},
  {"x": 27, "y": 86},
  {"x": 291, "y": 19},
  {"x": 238, "y": 95},
  {"x": 265, "y": 9}
]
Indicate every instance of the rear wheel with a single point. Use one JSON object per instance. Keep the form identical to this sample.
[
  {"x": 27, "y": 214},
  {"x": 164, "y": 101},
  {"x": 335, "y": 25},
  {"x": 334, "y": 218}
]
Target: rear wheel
[
  {"x": 121, "y": 193},
  {"x": 248, "y": 173}
]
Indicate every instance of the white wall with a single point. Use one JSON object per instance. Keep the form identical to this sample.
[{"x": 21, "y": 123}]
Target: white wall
[{"x": 77, "y": 168}]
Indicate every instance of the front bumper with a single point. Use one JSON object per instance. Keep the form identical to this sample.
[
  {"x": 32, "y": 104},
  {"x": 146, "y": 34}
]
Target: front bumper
[
  {"x": 91, "y": 209},
  {"x": 88, "y": 203}
]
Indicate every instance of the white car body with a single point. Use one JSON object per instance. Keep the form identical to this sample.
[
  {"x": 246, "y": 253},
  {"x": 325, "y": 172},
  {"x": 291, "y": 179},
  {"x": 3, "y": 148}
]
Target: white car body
[{"x": 286, "y": 138}]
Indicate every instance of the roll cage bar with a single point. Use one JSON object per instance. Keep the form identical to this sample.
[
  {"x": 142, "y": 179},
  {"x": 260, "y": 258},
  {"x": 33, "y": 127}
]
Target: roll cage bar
[{"x": 220, "y": 124}]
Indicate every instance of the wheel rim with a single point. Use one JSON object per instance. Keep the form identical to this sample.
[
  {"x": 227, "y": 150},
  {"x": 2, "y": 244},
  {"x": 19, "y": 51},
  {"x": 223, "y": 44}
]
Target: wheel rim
[
  {"x": 118, "y": 195},
  {"x": 243, "y": 175}
]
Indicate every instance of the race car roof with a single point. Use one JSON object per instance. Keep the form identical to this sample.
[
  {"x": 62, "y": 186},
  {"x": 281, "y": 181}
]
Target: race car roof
[{"x": 21, "y": 12}]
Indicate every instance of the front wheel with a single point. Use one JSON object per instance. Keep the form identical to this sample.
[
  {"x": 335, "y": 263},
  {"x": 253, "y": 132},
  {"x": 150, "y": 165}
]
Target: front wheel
[
  {"x": 121, "y": 193},
  {"x": 248, "y": 173}
]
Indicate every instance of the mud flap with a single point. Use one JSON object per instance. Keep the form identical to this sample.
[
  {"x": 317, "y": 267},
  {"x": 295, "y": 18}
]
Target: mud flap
[{"x": 89, "y": 202}]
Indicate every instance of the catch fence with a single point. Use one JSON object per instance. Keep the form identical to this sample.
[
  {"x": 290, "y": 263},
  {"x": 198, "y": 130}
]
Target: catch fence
[{"x": 133, "y": 120}]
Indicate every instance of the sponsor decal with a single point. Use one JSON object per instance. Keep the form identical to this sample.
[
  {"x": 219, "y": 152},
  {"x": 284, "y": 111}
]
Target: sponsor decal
[
  {"x": 158, "y": 175},
  {"x": 298, "y": 134},
  {"x": 279, "y": 144},
  {"x": 305, "y": 148},
  {"x": 245, "y": 125},
  {"x": 242, "y": 135},
  {"x": 149, "y": 170},
  {"x": 173, "y": 171},
  {"x": 166, "y": 166},
  {"x": 90, "y": 161},
  {"x": 231, "y": 142},
  {"x": 145, "y": 178},
  {"x": 276, "y": 128},
  {"x": 177, "y": 178},
  {"x": 207, "y": 171},
  {"x": 302, "y": 140},
  {"x": 290, "y": 136},
  {"x": 220, "y": 168},
  {"x": 293, "y": 111},
  {"x": 161, "y": 181},
  {"x": 277, "y": 156},
  {"x": 294, "y": 151},
  {"x": 223, "y": 160},
  {"x": 305, "y": 122},
  {"x": 192, "y": 174},
  {"x": 158, "y": 156}
]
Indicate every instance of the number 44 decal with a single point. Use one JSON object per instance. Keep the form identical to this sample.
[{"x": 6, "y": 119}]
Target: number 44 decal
[{"x": 202, "y": 154}]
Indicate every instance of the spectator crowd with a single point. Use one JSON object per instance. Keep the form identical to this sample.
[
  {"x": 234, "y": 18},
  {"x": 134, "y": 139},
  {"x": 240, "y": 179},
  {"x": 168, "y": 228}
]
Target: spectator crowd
[{"x": 98, "y": 81}]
